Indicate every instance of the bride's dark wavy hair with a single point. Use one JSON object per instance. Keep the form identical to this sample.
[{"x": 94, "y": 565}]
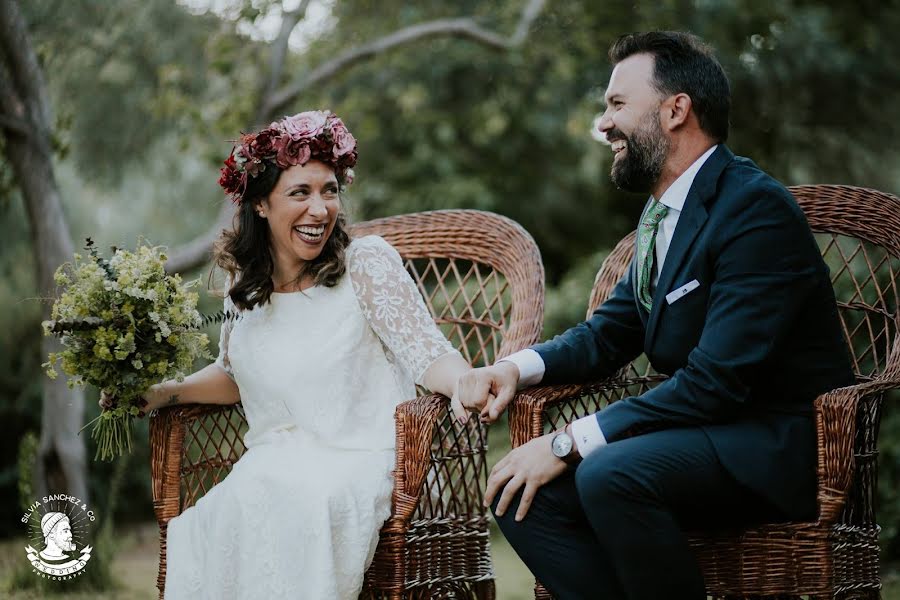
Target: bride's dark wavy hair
[{"x": 243, "y": 252}]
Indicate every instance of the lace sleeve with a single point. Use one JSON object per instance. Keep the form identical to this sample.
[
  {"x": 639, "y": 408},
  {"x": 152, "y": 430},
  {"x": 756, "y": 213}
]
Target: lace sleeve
[
  {"x": 393, "y": 306},
  {"x": 225, "y": 333}
]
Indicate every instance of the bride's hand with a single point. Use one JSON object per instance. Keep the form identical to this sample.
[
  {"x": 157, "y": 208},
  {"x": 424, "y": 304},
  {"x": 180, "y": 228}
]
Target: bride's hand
[{"x": 109, "y": 402}]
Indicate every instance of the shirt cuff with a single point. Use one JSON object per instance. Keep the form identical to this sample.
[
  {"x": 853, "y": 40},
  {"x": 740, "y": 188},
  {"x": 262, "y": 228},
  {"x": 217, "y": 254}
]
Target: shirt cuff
[
  {"x": 531, "y": 367},
  {"x": 588, "y": 435}
]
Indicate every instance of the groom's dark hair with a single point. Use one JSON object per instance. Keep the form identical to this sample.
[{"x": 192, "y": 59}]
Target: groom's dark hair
[{"x": 683, "y": 64}]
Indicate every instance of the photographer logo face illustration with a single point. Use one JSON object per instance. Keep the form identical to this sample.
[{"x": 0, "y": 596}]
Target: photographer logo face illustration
[{"x": 58, "y": 525}]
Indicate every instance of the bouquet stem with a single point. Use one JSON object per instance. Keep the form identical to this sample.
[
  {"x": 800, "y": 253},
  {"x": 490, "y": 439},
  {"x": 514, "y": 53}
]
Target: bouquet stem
[{"x": 113, "y": 435}]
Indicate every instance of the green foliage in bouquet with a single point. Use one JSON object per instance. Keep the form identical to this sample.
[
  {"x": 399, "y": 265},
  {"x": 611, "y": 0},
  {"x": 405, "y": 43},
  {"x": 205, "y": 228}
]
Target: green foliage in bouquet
[{"x": 125, "y": 324}]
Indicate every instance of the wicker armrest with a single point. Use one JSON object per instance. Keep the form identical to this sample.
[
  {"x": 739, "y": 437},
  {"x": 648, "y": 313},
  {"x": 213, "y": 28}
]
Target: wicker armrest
[
  {"x": 427, "y": 436},
  {"x": 167, "y": 432},
  {"x": 836, "y": 415},
  {"x": 438, "y": 528},
  {"x": 528, "y": 409},
  {"x": 415, "y": 423}
]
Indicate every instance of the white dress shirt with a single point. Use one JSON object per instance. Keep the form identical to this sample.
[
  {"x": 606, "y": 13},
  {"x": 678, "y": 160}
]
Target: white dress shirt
[{"x": 586, "y": 431}]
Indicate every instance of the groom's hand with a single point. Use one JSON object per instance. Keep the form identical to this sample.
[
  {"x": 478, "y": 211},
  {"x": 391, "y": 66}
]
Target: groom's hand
[
  {"x": 532, "y": 464},
  {"x": 488, "y": 390}
]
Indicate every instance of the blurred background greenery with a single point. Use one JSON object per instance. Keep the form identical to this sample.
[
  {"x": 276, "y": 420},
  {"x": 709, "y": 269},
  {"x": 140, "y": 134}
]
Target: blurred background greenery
[{"x": 147, "y": 94}]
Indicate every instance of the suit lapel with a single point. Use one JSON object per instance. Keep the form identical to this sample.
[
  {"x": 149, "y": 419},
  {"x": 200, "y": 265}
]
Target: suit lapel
[{"x": 690, "y": 223}]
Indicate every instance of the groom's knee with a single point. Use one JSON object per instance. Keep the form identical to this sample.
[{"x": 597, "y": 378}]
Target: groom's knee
[
  {"x": 508, "y": 517},
  {"x": 542, "y": 520},
  {"x": 553, "y": 507},
  {"x": 607, "y": 483},
  {"x": 515, "y": 532}
]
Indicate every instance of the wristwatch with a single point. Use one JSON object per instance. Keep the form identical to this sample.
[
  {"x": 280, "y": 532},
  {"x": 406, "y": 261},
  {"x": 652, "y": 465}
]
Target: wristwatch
[{"x": 563, "y": 447}]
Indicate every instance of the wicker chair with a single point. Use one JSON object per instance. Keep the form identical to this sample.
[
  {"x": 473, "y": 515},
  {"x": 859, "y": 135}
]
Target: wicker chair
[
  {"x": 837, "y": 555},
  {"x": 482, "y": 279}
]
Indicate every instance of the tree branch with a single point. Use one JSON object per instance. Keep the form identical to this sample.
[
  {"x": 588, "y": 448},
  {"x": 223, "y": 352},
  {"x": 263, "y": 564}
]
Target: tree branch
[
  {"x": 279, "y": 51},
  {"x": 464, "y": 28},
  {"x": 529, "y": 14},
  {"x": 197, "y": 252}
]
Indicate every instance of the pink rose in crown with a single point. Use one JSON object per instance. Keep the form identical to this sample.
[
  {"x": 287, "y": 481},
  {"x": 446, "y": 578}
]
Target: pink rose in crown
[
  {"x": 305, "y": 125},
  {"x": 341, "y": 138},
  {"x": 293, "y": 153}
]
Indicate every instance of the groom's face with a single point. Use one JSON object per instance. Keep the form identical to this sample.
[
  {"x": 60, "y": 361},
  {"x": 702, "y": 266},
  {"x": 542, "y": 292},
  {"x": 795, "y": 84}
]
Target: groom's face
[{"x": 631, "y": 124}]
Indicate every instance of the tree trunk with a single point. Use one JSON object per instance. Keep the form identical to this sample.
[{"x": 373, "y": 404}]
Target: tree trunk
[
  {"x": 61, "y": 464},
  {"x": 61, "y": 461}
]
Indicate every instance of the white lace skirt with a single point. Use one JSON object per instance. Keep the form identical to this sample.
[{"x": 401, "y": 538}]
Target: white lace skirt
[{"x": 293, "y": 520}]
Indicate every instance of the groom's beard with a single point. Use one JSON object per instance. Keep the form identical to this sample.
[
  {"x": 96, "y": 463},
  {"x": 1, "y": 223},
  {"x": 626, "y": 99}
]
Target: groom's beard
[{"x": 645, "y": 154}]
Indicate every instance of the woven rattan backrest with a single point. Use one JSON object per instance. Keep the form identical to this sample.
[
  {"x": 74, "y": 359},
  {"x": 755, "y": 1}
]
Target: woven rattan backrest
[
  {"x": 858, "y": 231},
  {"x": 482, "y": 279}
]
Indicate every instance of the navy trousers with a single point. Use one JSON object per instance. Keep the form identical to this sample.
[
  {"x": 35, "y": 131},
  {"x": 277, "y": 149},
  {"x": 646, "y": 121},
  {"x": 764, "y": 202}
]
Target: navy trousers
[{"x": 615, "y": 527}]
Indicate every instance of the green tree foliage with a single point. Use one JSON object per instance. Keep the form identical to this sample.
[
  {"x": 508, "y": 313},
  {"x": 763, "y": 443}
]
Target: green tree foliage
[{"x": 126, "y": 74}]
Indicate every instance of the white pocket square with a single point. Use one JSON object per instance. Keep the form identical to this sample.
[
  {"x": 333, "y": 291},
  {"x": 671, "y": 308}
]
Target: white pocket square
[{"x": 682, "y": 291}]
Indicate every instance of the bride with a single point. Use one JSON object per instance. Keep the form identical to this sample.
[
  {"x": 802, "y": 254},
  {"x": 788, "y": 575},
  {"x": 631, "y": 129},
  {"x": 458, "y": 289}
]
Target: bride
[{"x": 331, "y": 335}]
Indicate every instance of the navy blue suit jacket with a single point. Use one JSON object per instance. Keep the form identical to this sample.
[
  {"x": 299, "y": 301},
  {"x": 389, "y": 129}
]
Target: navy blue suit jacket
[{"x": 747, "y": 351}]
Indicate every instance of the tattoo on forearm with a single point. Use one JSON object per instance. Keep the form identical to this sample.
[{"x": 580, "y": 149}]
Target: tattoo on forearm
[{"x": 173, "y": 399}]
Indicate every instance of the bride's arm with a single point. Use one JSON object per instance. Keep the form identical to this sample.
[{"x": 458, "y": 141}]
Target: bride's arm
[
  {"x": 397, "y": 313},
  {"x": 209, "y": 385},
  {"x": 214, "y": 384},
  {"x": 442, "y": 375}
]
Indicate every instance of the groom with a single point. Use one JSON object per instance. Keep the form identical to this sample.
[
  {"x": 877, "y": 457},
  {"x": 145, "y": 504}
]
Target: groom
[{"x": 727, "y": 295}]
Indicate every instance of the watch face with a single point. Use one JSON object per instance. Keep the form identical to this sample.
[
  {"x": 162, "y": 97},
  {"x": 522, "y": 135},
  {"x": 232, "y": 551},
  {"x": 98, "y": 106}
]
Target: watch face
[{"x": 562, "y": 445}]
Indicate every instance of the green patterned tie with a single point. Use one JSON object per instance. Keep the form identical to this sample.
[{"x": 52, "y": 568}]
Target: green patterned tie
[{"x": 647, "y": 250}]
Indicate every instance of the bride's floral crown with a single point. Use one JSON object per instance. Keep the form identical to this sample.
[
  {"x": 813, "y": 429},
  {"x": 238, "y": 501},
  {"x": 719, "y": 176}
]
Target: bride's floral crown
[{"x": 314, "y": 134}]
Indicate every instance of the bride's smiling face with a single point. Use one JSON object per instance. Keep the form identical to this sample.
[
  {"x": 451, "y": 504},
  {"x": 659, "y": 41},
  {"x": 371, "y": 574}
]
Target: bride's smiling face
[{"x": 301, "y": 210}]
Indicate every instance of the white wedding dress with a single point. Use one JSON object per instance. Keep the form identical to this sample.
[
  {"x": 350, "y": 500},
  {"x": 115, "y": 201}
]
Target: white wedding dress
[{"x": 320, "y": 373}]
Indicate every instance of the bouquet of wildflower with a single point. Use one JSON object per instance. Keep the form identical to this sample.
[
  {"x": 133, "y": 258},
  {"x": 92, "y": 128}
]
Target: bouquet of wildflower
[{"x": 125, "y": 325}]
